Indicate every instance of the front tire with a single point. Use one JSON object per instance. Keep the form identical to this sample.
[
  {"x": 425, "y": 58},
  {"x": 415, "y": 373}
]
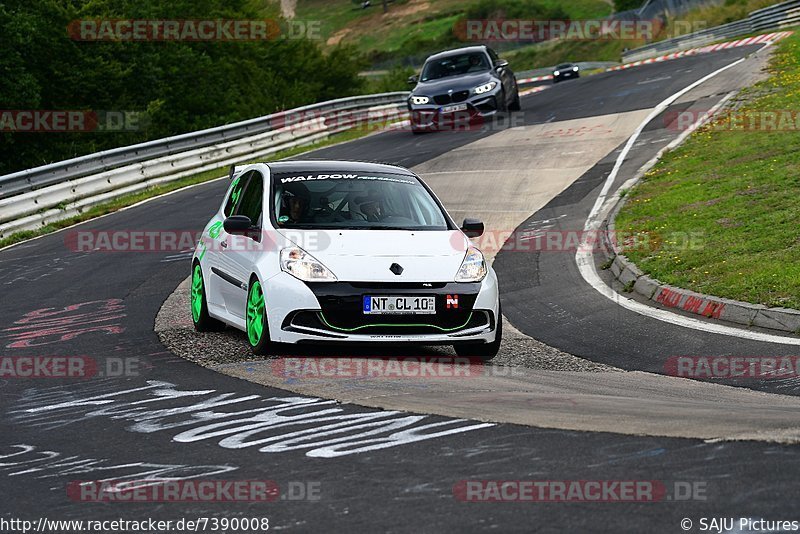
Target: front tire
[
  {"x": 256, "y": 321},
  {"x": 515, "y": 105},
  {"x": 503, "y": 105},
  {"x": 483, "y": 351},
  {"x": 197, "y": 300}
]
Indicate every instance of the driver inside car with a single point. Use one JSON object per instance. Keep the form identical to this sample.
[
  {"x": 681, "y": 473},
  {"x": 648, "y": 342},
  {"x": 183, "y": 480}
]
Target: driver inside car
[
  {"x": 371, "y": 206},
  {"x": 295, "y": 201},
  {"x": 476, "y": 63}
]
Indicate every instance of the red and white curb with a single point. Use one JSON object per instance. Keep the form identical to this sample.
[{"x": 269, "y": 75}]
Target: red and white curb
[
  {"x": 536, "y": 79},
  {"x": 759, "y": 39},
  {"x": 532, "y": 90}
]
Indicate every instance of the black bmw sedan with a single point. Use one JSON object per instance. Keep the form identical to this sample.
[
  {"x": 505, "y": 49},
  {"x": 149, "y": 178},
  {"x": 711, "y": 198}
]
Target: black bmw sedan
[{"x": 458, "y": 86}]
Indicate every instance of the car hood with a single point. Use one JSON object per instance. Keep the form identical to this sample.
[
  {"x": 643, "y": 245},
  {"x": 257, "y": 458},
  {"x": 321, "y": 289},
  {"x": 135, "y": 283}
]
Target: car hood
[
  {"x": 456, "y": 83},
  {"x": 366, "y": 255}
]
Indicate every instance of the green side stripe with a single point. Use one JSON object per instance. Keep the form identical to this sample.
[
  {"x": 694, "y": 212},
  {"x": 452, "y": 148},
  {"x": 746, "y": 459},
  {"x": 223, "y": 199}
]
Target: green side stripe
[{"x": 329, "y": 325}]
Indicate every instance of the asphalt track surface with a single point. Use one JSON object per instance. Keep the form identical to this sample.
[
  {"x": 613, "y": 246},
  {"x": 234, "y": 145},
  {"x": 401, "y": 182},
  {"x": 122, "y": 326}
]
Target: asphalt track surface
[{"x": 404, "y": 488}]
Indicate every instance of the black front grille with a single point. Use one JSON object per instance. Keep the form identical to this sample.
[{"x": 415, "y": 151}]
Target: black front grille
[
  {"x": 455, "y": 98},
  {"x": 442, "y": 99},
  {"x": 342, "y": 306}
]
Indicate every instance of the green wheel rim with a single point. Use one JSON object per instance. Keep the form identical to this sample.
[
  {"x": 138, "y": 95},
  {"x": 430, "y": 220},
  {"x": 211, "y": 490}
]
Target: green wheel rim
[
  {"x": 255, "y": 314},
  {"x": 197, "y": 293}
]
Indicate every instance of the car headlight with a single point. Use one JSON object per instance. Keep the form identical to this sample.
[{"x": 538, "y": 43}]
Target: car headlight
[
  {"x": 485, "y": 88},
  {"x": 473, "y": 268},
  {"x": 556, "y": 73},
  {"x": 302, "y": 265},
  {"x": 419, "y": 100},
  {"x": 575, "y": 69}
]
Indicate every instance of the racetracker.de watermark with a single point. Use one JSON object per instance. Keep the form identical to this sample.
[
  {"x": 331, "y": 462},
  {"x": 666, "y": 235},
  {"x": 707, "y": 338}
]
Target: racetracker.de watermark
[
  {"x": 756, "y": 367},
  {"x": 362, "y": 367},
  {"x": 542, "y": 240},
  {"x": 532, "y": 30},
  {"x": 608, "y": 491},
  {"x": 66, "y": 121},
  {"x": 142, "y": 241},
  {"x": 30, "y": 367},
  {"x": 763, "y": 121},
  {"x": 197, "y": 30},
  {"x": 191, "y": 490}
]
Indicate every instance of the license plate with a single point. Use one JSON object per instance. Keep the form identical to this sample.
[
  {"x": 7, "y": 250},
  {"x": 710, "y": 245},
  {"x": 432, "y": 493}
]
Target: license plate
[
  {"x": 391, "y": 305},
  {"x": 453, "y": 109}
]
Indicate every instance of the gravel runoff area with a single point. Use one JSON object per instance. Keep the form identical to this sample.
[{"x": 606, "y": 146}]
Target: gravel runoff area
[{"x": 209, "y": 349}]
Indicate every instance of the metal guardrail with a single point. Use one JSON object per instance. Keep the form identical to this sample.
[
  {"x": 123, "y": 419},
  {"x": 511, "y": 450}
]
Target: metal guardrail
[
  {"x": 27, "y": 180},
  {"x": 39, "y": 196},
  {"x": 778, "y": 16}
]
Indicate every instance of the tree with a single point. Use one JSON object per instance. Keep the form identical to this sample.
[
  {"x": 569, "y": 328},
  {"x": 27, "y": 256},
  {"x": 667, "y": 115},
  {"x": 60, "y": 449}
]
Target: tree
[{"x": 178, "y": 86}]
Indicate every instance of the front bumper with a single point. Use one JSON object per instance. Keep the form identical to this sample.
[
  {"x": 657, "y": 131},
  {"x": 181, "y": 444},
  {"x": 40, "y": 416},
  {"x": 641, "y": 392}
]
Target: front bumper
[
  {"x": 332, "y": 312},
  {"x": 431, "y": 117}
]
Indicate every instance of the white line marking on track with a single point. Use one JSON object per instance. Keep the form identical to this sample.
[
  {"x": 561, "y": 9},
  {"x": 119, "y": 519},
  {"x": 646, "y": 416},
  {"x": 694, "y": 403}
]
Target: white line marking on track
[
  {"x": 585, "y": 260},
  {"x": 653, "y": 80}
]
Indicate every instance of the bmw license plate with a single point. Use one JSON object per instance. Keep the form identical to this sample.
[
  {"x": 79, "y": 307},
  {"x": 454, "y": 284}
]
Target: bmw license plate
[
  {"x": 399, "y": 305},
  {"x": 454, "y": 108}
]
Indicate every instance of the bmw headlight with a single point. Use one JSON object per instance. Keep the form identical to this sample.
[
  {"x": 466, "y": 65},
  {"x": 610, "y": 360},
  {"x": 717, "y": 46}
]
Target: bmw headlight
[
  {"x": 556, "y": 73},
  {"x": 302, "y": 265},
  {"x": 575, "y": 69},
  {"x": 420, "y": 100},
  {"x": 473, "y": 268},
  {"x": 485, "y": 88}
]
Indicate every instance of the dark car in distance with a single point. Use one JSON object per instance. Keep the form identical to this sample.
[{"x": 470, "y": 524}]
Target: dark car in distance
[
  {"x": 459, "y": 86},
  {"x": 565, "y": 71}
]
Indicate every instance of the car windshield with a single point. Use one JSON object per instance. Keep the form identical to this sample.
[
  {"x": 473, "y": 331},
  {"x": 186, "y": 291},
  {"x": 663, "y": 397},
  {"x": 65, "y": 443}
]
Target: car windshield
[
  {"x": 455, "y": 65},
  {"x": 354, "y": 200},
  {"x": 564, "y": 66}
]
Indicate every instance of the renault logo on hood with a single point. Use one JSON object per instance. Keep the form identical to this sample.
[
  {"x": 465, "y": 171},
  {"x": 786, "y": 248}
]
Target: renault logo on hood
[{"x": 396, "y": 269}]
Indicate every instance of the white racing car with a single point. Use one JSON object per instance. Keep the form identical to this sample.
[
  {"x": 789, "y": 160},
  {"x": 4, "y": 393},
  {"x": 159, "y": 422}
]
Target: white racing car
[{"x": 335, "y": 251}]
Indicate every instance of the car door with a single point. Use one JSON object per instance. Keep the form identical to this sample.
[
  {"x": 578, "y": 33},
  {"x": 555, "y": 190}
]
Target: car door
[
  {"x": 214, "y": 243},
  {"x": 240, "y": 252}
]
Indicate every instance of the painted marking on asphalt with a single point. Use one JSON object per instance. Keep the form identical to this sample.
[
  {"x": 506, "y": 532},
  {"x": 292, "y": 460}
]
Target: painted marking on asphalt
[
  {"x": 653, "y": 80},
  {"x": 585, "y": 260},
  {"x": 30, "y": 460},
  {"x": 272, "y": 424},
  {"x": 50, "y": 325}
]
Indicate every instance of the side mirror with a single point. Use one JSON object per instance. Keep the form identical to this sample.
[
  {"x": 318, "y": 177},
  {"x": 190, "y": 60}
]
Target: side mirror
[
  {"x": 500, "y": 63},
  {"x": 472, "y": 227},
  {"x": 412, "y": 80},
  {"x": 237, "y": 224}
]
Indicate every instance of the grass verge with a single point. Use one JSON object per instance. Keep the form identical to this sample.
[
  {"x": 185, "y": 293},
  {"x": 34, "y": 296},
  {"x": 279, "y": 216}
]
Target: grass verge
[
  {"x": 723, "y": 208},
  {"x": 128, "y": 200}
]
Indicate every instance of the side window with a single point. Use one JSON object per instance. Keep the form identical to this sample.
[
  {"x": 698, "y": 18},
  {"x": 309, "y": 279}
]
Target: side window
[
  {"x": 252, "y": 199},
  {"x": 236, "y": 192},
  {"x": 493, "y": 55}
]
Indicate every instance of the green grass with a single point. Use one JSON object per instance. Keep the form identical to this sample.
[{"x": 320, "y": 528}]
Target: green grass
[
  {"x": 538, "y": 56},
  {"x": 736, "y": 191},
  {"x": 412, "y": 27},
  {"x": 128, "y": 200}
]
